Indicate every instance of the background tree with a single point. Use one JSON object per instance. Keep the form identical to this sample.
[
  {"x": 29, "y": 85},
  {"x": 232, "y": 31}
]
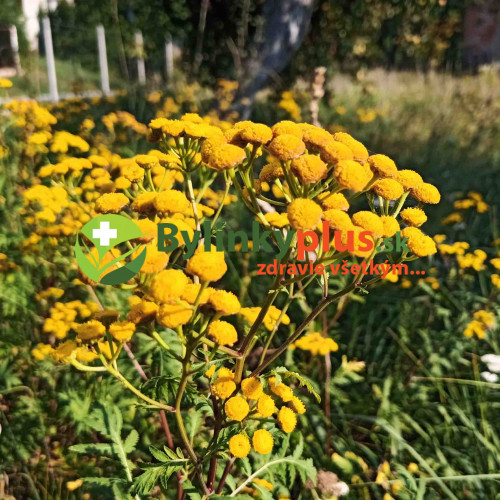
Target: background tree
[{"x": 253, "y": 41}]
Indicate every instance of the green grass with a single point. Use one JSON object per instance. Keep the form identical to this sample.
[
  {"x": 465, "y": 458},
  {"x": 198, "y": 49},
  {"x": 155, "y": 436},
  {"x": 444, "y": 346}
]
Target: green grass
[
  {"x": 71, "y": 77},
  {"x": 437, "y": 124}
]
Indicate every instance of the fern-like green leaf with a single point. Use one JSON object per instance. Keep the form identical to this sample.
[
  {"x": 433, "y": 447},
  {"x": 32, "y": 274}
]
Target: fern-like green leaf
[
  {"x": 91, "y": 448},
  {"x": 282, "y": 372},
  {"x": 131, "y": 441},
  {"x": 153, "y": 474}
]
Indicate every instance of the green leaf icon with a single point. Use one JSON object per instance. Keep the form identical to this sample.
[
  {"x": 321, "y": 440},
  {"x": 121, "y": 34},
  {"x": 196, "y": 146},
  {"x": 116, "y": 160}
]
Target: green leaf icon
[
  {"x": 105, "y": 232},
  {"x": 128, "y": 271}
]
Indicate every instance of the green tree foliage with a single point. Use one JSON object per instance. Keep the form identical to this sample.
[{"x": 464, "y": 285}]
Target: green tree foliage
[
  {"x": 366, "y": 33},
  {"x": 73, "y": 29},
  {"x": 221, "y": 39}
]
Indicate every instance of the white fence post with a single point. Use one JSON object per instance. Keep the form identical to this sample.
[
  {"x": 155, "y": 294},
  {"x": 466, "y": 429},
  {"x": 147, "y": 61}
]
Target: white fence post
[
  {"x": 169, "y": 59},
  {"x": 141, "y": 69},
  {"x": 14, "y": 45},
  {"x": 51, "y": 65},
  {"x": 103, "y": 59}
]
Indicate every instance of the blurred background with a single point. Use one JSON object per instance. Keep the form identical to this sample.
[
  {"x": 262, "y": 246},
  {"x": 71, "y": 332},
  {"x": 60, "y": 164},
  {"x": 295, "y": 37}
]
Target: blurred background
[
  {"x": 428, "y": 68},
  {"x": 253, "y": 42}
]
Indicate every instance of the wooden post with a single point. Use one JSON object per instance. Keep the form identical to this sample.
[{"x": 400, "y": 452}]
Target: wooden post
[
  {"x": 51, "y": 64},
  {"x": 103, "y": 59},
  {"x": 317, "y": 93},
  {"x": 169, "y": 59},
  {"x": 141, "y": 69}
]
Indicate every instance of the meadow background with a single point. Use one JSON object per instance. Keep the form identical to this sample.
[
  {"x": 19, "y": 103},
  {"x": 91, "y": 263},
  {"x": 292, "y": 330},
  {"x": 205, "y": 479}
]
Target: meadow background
[{"x": 409, "y": 406}]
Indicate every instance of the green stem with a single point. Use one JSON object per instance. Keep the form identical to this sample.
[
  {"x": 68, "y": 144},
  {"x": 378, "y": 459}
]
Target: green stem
[
  {"x": 160, "y": 341},
  {"x": 206, "y": 184},
  {"x": 150, "y": 179},
  {"x": 180, "y": 422},
  {"x": 85, "y": 368},
  {"x": 237, "y": 185},
  {"x": 221, "y": 205},
  {"x": 246, "y": 345},
  {"x": 314, "y": 313},
  {"x": 298, "y": 332},
  {"x": 192, "y": 199},
  {"x": 276, "y": 326},
  {"x": 291, "y": 181},
  {"x": 271, "y": 202},
  {"x": 224, "y": 349},
  {"x": 477, "y": 383},
  {"x": 282, "y": 188},
  {"x": 136, "y": 391},
  {"x": 260, "y": 471},
  {"x": 400, "y": 204}
]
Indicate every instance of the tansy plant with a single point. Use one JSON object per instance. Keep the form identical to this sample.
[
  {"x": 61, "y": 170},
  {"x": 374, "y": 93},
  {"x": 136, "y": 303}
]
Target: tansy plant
[{"x": 220, "y": 351}]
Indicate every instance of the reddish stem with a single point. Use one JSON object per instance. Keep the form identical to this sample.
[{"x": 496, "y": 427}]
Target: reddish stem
[{"x": 227, "y": 469}]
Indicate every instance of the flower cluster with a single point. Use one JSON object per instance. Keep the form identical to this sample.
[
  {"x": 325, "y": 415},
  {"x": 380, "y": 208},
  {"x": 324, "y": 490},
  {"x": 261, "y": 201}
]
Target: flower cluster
[
  {"x": 289, "y": 177},
  {"x": 316, "y": 344},
  {"x": 289, "y": 104},
  {"x": 472, "y": 200},
  {"x": 5, "y": 83},
  {"x": 114, "y": 122},
  {"x": 256, "y": 404},
  {"x": 310, "y": 177},
  {"x": 6, "y": 264},
  {"x": 62, "y": 316},
  {"x": 482, "y": 322}
]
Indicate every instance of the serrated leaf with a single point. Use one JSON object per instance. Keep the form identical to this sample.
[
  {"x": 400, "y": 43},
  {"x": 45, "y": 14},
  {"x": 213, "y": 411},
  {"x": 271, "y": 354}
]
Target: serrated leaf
[
  {"x": 231, "y": 482},
  {"x": 305, "y": 468},
  {"x": 121, "y": 490},
  {"x": 97, "y": 448},
  {"x": 193, "y": 422},
  {"x": 103, "y": 481},
  {"x": 285, "y": 443},
  {"x": 265, "y": 494},
  {"x": 170, "y": 453},
  {"x": 97, "y": 422},
  {"x": 299, "y": 448},
  {"x": 159, "y": 455},
  {"x": 161, "y": 387},
  {"x": 144, "y": 483},
  {"x": 131, "y": 441},
  {"x": 204, "y": 407},
  {"x": 281, "y": 471},
  {"x": 292, "y": 473},
  {"x": 190, "y": 490},
  {"x": 247, "y": 468},
  {"x": 169, "y": 470},
  {"x": 168, "y": 457}
]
